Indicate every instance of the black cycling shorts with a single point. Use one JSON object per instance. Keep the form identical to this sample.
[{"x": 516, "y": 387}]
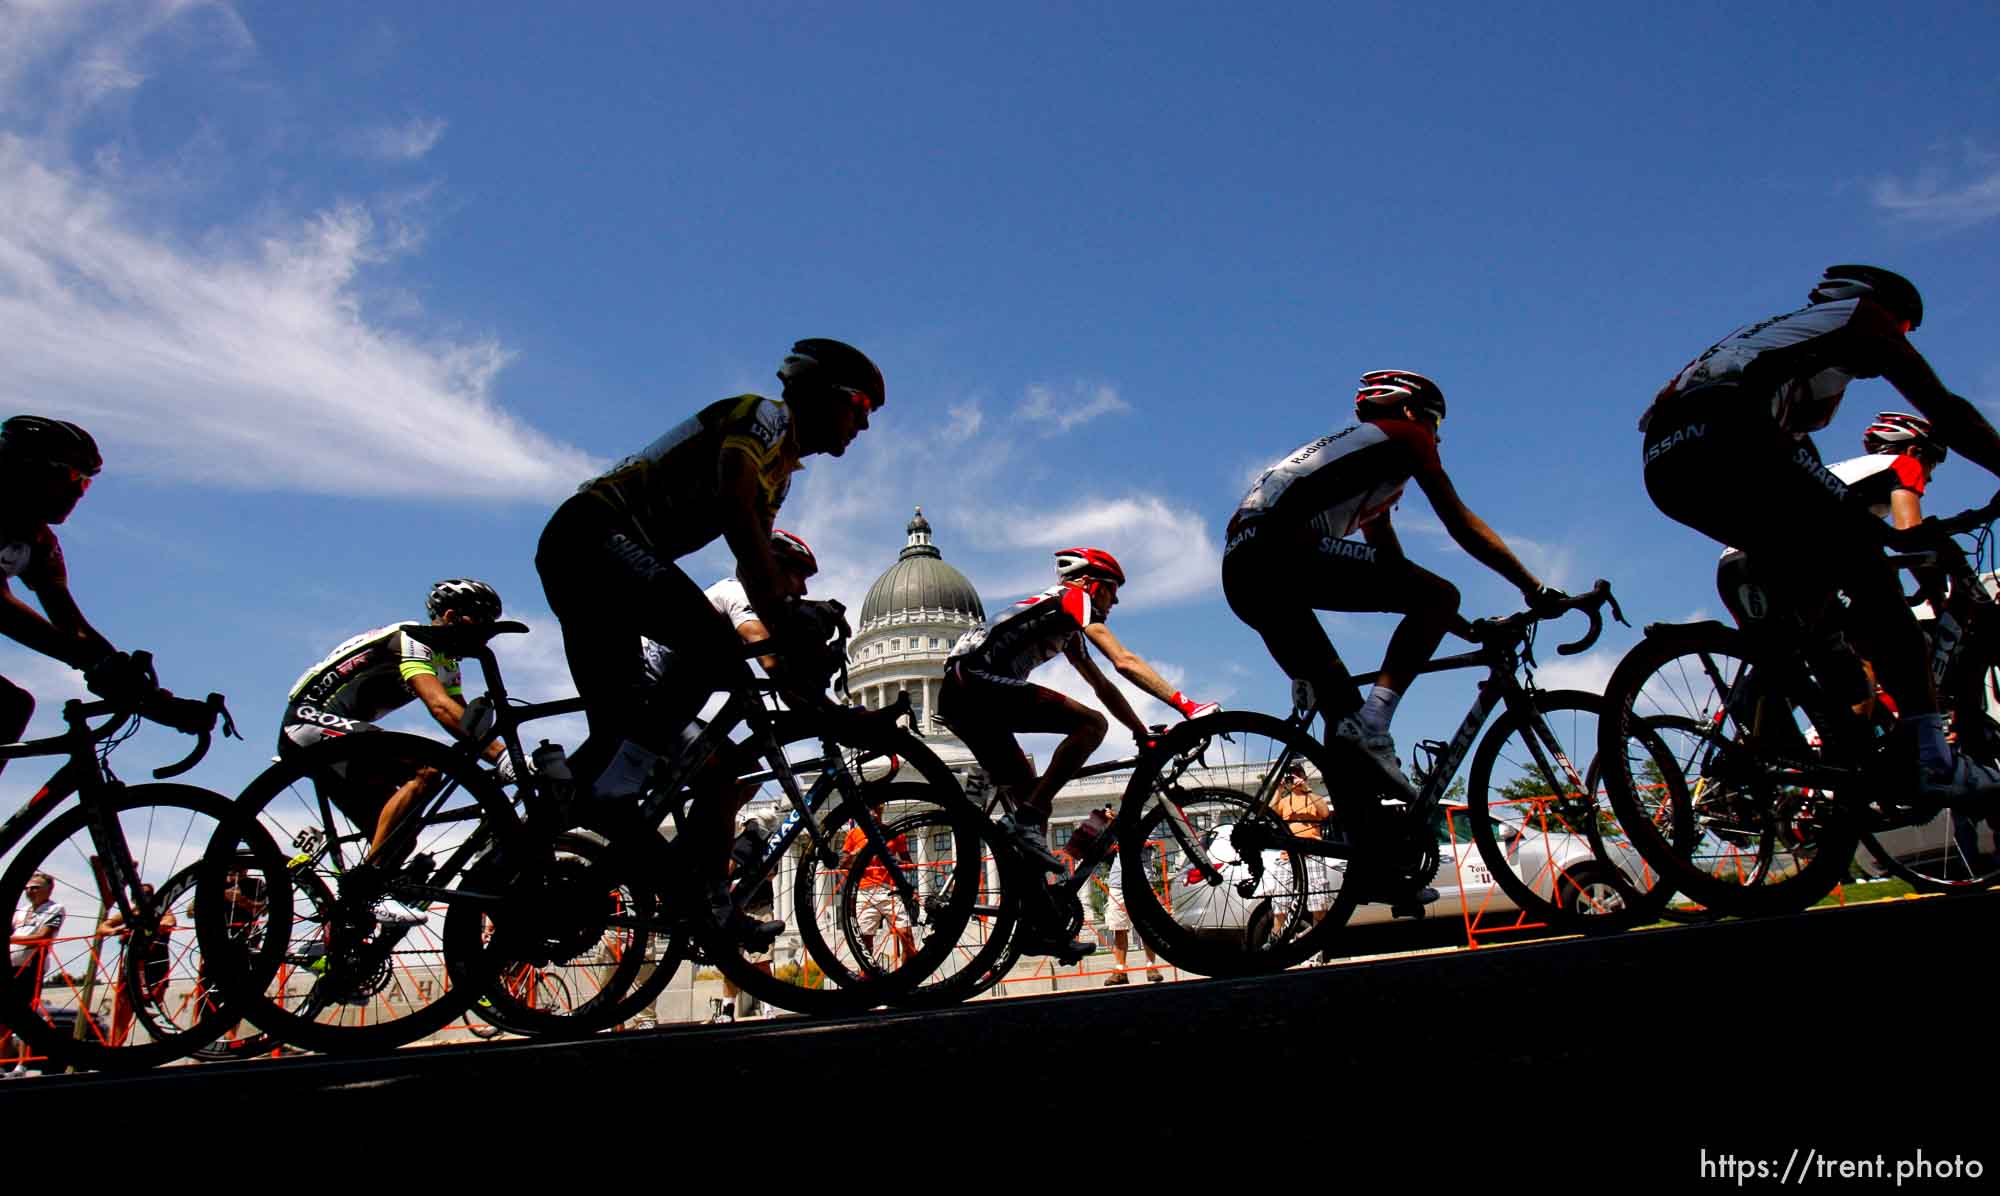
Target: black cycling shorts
[
  {"x": 1717, "y": 462},
  {"x": 607, "y": 590},
  {"x": 1274, "y": 583},
  {"x": 986, "y": 711}
]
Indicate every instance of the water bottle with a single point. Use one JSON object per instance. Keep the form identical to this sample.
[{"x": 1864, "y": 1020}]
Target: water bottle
[{"x": 549, "y": 761}]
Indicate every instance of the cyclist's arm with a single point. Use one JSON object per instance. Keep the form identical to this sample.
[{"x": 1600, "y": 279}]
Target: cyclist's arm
[
  {"x": 752, "y": 630},
  {"x": 1957, "y": 421},
  {"x": 1381, "y": 536},
  {"x": 1906, "y": 508},
  {"x": 1106, "y": 692},
  {"x": 62, "y": 634},
  {"x": 1471, "y": 532},
  {"x": 446, "y": 709},
  {"x": 746, "y": 526}
]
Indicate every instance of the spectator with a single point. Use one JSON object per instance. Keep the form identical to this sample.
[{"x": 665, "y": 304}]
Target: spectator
[
  {"x": 35, "y": 930},
  {"x": 1305, "y": 813},
  {"x": 154, "y": 968},
  {"x": 1119, "y": 923},
  {"x": 876, "y": 903}
]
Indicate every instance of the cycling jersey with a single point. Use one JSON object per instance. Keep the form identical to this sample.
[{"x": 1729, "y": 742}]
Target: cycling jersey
[
  {"x": 1338, "y": 483},
  {"x": 366, "y": 678},
  {"x": 1875, "y": 477},
  {"x": 1800, "y": 362},
  {"x": 669, "y": 493},
  {"x": 35, "y": 558},
  {"x": 1028, "y": 636}
]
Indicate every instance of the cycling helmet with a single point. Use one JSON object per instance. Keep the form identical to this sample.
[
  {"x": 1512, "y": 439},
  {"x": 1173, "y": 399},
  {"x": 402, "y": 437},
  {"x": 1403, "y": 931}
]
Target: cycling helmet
[
  {"x": 58, "y": 442},
  {"x": 1382, "y": 391},
  {"x": 1886, "y": 287},
  {"x": 1093, "y": 564},
  {"x": 787, "y": 546},
  {"x": 818, "y": 361},
  {"x": 1894, "y": 431},
  {"x": 466, "y": 596}
]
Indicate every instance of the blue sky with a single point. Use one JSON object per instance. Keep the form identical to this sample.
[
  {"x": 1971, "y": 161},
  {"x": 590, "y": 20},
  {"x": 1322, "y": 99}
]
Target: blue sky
[{"x": 353, "y": 295}]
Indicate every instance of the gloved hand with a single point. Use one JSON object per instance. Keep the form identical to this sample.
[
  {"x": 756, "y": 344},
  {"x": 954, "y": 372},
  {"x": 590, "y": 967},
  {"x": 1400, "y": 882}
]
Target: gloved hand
[
  {"x": 504, "y": 769},
  {"x": 1546, "y": 601},
  {"x": 186, "y": 715},
  {"x": 1190, "y": 708},
  {"x": 118, "y": 677}
]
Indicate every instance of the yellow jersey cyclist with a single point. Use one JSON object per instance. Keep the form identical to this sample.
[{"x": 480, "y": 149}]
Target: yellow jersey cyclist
[
  {"x": 364, "y": 680},
  {"x": 987, "y": 699},
  {"x": 1289, "y": 552},
  {"x": 1727, "y": 450},
  {"x": 46, "y": 465},
  {"x": 607, "y": 558}
]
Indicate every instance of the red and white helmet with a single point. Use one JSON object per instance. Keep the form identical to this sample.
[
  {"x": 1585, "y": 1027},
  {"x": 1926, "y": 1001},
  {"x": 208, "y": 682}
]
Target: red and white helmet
[
  {"x": 1895, "y": 431},
  {"x": 1384, "y": 390},
  {"x": 1091, "y": 564},
  {"x": 787, "y": 546}
]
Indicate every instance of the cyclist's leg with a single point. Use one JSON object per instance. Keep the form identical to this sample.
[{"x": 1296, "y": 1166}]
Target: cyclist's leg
[
  {"x": 375, "y": 802},
  {"x": 607, "y": 591},
  {"x": 990, "y": 710},
  {"x": 1268, "y": 596}
]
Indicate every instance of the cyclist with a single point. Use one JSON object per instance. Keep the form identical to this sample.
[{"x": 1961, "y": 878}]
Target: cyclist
[
  {"x": 986, "y": 697},
  {"x": 46, "y": 465},
  {"x": 1288, "y": 553},
  {"x": 607, "y": 564},
  {"x": 1727, "y": 451},
  {"x": 796, "y": 564},
  {"x": 364, "y": 680}
]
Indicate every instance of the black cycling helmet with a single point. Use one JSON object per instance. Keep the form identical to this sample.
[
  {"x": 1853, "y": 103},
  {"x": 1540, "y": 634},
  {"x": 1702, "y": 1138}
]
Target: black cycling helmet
[
  {"x": 1886, "y": 287},
  {"x": 1382, "y": 391},
  {"x": 817, "y": 361},
  {"x": 56, "y": 441},
  {"x": 466, "y": 596}
]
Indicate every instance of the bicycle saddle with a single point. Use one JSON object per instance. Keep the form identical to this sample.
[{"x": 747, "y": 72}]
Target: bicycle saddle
[{"x": 462, "y": 639}]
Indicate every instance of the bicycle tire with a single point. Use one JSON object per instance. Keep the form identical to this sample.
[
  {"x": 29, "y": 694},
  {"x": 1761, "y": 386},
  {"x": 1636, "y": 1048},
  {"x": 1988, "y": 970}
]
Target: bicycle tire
[
  {"x": 1203, "y": 925},
  {"x": 343, "y": 983},
  {"x": 1719, "y": 825},
  {"x": 590, "y": 921},
  {"x": 1531, "y": 840},
  {"x": 169, "y": 826},
  {"x": 816, "y": 978},
  {"x": 230, "y": 1044},
  {"x": 988, "y": 947},
  {"x": 1944, "y": 854}
]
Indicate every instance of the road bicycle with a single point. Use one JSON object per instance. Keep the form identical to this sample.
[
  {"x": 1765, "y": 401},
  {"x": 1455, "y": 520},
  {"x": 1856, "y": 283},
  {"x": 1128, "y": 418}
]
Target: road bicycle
[
  {"x": 1240, "y": 885},
  {"x": 1777, "y": 771},
  {"x": 102, "y": 856},
  {"x": 550, "y": 881}
]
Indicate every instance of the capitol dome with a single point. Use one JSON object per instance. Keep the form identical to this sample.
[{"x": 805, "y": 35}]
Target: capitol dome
[
  {"x": 912, "y": 616},
  {"x": 920, "y": 584}
]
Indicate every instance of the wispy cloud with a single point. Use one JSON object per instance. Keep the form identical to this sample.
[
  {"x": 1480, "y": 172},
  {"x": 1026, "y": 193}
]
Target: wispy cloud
[
  {"x": 1059, "y": 410},
  {"x": 1954, "y": 196},
  {"x": 396, "y": 143},
  {"x": 232, "y": 356}
]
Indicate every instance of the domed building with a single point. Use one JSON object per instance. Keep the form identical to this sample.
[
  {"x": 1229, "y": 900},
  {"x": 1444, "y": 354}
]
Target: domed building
[{"x": 912, "y": 616}]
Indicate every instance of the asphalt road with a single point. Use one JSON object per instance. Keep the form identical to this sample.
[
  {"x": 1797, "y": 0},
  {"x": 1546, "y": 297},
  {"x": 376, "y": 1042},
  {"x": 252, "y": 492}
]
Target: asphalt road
[{"x": 1866, "y": 1032}]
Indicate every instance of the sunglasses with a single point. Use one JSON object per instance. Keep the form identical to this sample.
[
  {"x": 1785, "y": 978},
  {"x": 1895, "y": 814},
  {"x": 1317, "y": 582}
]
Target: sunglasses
[
  {"x": 74, "y": 476},
  {"x": 863, "y": 404}
]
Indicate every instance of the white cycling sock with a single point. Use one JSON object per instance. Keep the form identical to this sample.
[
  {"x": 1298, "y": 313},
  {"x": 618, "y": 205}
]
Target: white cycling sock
[
  {"x": 1379, "y": 709},
  {"x": 1933, "y": 752}
]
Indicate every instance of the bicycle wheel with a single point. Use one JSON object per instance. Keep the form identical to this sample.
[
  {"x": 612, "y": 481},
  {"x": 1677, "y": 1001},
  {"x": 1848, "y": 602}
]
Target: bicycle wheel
[
  {"x": 586, "y": 920},
  {"x": 130, "y": 999},
  {"x": 1704, "y": 755},
  {"x": 1958, "y": 849},
  {"x": 825, "y": 962},
  {"x": 348, "y": 980},
  {"x": 1539, "y": 825},
  {"x": 1213, "y": 880},
  {"x": 985, "y": 950},
  {"x": 162, "y": 1014}
]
